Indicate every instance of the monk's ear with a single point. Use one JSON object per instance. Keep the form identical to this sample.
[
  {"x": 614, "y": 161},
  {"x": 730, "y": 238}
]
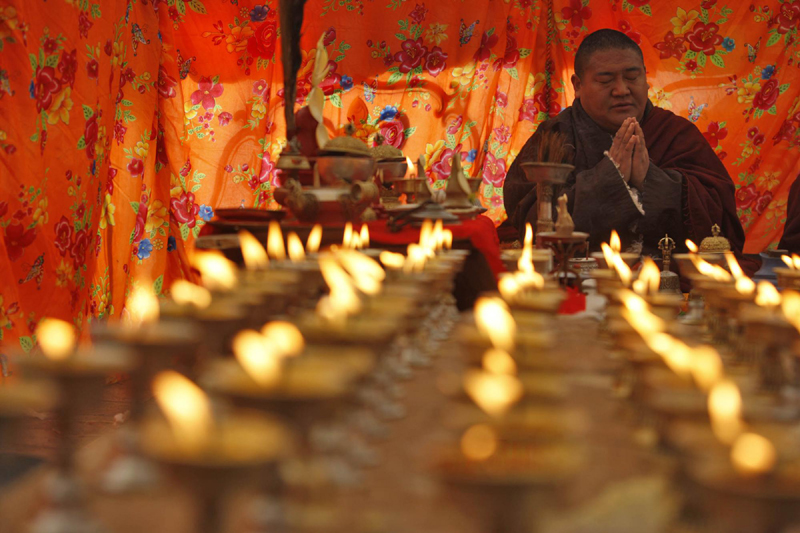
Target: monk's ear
[{"x": 576, "y": 84}]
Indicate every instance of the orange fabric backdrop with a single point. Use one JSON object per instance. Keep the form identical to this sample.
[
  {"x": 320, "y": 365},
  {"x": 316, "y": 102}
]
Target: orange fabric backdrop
[{"x": 124, "y": 124}]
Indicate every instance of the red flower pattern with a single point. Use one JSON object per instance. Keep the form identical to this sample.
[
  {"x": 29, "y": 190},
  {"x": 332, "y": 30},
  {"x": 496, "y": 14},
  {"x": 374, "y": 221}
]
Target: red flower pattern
[
  {"x": 45, "y": 88},
  {"x": 484, "y": 51},
  {"x": 262, "y": 42},
  {"x": 704, "y": 38},
  {"x": 746, "y": 195},
  {"x": 411, "y": 55},
  {"x": 763, "y": 202},
  {"x": 63, "y": 231},
  {"x": 393, "y": 132},
  {"x": 576, "y": 13},
  {"x": 714, "y": 134},
  {"x": 768, "y": 95},
  {"x": 206, "y": 93},
  {"x": 184, "y": 209},
  {"x": 494, "y": 170},
  {"x": 17, "y": 239},
  {"x": 671, "y": 46},
  {"x": 788, "y": 16}
]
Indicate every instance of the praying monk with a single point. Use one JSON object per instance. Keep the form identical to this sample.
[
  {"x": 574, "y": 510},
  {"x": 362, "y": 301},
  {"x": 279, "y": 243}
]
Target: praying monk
[{"x": 639, "y": 169}]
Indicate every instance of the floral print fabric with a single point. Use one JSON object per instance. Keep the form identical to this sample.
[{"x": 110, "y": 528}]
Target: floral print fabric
[{"x": 124, "y": 124}]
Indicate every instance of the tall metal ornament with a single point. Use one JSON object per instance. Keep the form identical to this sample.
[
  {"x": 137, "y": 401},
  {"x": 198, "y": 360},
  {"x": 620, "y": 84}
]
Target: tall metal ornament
[{"x": 670, "y": 282}]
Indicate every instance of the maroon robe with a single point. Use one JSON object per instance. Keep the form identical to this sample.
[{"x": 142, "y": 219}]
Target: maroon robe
[
  {"x": 686, "y": 191},
  {"x": 790, "y": 240}
]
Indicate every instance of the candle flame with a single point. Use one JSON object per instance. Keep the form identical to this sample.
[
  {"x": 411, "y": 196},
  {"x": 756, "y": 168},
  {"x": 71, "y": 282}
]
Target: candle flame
[
  {"x": 528, "y": 242},
  {"x": 426, "y": 237},
  {"x": 216, "y": 271},
  {"x": 725, "y": 410},
  {"x": 392, "y": 260},
  {"x": 790, "y": 305},
  {"x": 495, "y": 321},
  {"x": 707, "y": 367},
  {"x": 788, "y": 260},
  {"x": 347, "y": 240},
  {"x": 437, "y": 237},
  {"x": 365, "y": 273},
  {"x": 187, "y": 409},
  {"x": 508, "y": 287},
  {"x": 608, "y": 254},
  {"x": 364, "y": 236},
  {"x": 744, "y": 285},
  {"x": 614, "y": 241},
  {"x": 447, "y": 239},
  {"x": 314, "y": 239},
  {"x": 753, "y": 454},
  {"x": 284, "y": 337},
  {"x": 416, "y": 257},
  {"x": 185, "y": 292},
  {"x": 497, "y": 361},
  {"x": 258, "y": 358},
  {"x": 691, "y": 246},
  {"x": 493, "y": 393},
  {"x": 623, "y": 270},
  {"x": 479, "y": 442},
  {"x": 275, "y": 246},
  {"x": 649, "y": 278},
  {"x": 295, "y": 245},
  {"x": 56, "y": 338},
  {"x": 142, "y": 305},
  {"x": 767, "y": 295},
  {"x": 255, "y": 256},
  {"x": 410, "y": 165},
  {"x": 705, "y": 268},
  {"x": 342, "y": 300},
  {"x": 633, "y": 302}
]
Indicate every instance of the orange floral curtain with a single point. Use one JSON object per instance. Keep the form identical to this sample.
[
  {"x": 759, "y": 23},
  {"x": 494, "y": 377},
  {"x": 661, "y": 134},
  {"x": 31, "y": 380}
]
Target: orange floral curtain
[{"x": 124, "y": 124}]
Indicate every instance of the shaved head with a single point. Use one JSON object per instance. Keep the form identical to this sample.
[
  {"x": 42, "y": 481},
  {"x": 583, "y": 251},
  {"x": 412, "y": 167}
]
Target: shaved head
[{"x": 603, "y": 40}]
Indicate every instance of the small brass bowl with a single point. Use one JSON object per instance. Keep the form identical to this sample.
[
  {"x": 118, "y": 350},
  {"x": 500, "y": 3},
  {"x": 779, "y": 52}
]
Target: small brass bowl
[
  {"x": 334, "y": 169},
  {"x": 537, "y": 172}
]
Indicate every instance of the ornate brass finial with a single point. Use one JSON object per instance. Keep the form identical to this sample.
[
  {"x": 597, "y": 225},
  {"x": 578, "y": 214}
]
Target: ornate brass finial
[
  {"x": 715, "y": 243},
  {"x": 666, "y": 245}
]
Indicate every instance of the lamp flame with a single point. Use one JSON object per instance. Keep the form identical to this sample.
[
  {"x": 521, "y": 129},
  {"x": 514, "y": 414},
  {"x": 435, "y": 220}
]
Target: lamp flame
[
  {"x": 495, "y": 321},
  {"x": 614, "y": 241},
  {"x": 416, "y": 258},
  {"x": 255, "y": 256},
  {"x": 259, "y": 358},
  {"x": 725, "y": 410},
  {"x": 753, "y": 454},
  {"x": 392, "y": 260},
  {"x": 410, "y": 165},
  {"x": 691, "y": 246},
  {"x": 767, "y": 295},
  {"x": 493, "y": 393},
  {"x": 275, "y": 245},
  {"x": 314, "y": 239},
  {"x": 185, "y": 292},
  {"x": 217, "y": 272},
  {"x": 295, "y": 245},
  {"x": 705, "y": 268},
  {"x": 790, "y": 305},
  {"x": 447, "y": 239},
  {"x": 649, "y": 278},
  {"x": 707, "y": 367},
  {"x": 608, "y": 254},
  {"x": 56, "y": 338},
  {"x": 187, "y": 409},
  {"x": 284, "y": 337},
  {"x": 142, "y": 305},
  {"x": 479, "y": 442},
  {"x": 497, "y": 361},
  {"x": 623, "y": 270},
  {"x": 365, "y": 273},
  {"x": 347, "y": 240},
  {"x": 364, "y": 236}
]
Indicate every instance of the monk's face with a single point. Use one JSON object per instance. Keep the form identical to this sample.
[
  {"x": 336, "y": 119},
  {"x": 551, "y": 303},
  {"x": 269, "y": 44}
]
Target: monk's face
[{"x": 613, "y": 87}]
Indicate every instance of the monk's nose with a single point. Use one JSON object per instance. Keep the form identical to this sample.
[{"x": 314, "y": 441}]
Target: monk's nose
[{"x": 620, "y": 88}]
